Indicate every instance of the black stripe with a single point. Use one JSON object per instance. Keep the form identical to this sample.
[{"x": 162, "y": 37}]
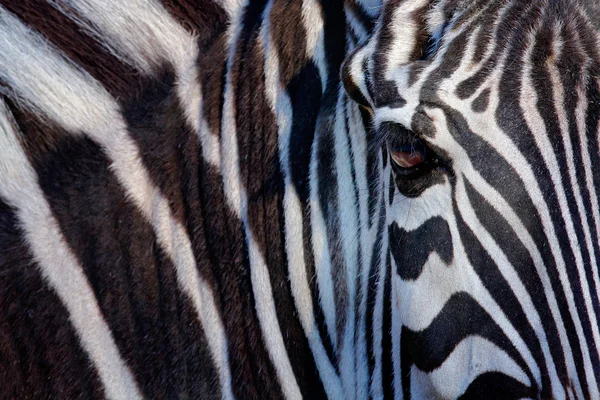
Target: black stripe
[
  {"x": 156, "y": 121},
  {"x": 362, "y": 16},
  {"x": 328, "y": 200},
  {"x": 373, "y": 170},
  {"x": 387, "y": 363},
  {"x": 352, "y": 90},
  {"x": 497, "y": 386},
  {"x": 547, "y": 108},
  {"x": 261, "y": 176},
  {"x": 571, "y": 60},
  {"x": 498, "y": 288},
  {"x": 386, "y": 91},
  {"x": 592, "y": 55},
  {"x": 460, "y": 318},
  {"x": 518, "y": 256},
  {"x": 411, "y": 249},
  {"x": 229, "y": 249},
  {"x": 481, "y": 102},
  {"x": 372, "y": 286},
  {"x": 304, "y": 91},
  {"x": 212, "y": 74},
  {"x": 486, "y": 25},
  {"x": 334, "y": 31},
  {"x": 511, "y": 29},
  {"x": 228, "y": 257},
  {"x": 592, "y": 120},
  {"x": 203, "y": 18},
  {"x": 493, "y": 280},
  {"x": 289, "y": 38},
  {"x": 119, "y": 79},
  {"x": 133, "y": 280},
  {"x": 500, "y": 175},
  {"x": 40, "y": 353}
]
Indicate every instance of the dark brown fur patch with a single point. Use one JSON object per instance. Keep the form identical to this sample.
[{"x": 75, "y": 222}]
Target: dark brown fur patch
[
  {"x": 261, "y": 176},
  {"x": 480, "y": 104},
  {"x": 133, "y": 280},
  {"x": 203, "y": 18},
  {"x": 156, "y": 122},
  {"x": 40, "y": 353},
  {"x": 289, "y": 38},
  {"x": 76, "y": 44},
  {"x": 211, "y": 69}
]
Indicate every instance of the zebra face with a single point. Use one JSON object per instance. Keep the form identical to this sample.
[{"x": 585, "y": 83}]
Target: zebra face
[{"x": 489, "y": 116}]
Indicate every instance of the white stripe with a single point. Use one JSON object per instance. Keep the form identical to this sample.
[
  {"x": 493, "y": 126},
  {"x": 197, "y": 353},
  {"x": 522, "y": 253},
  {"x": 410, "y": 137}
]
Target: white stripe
[
  {"x": 74, "y": 100},
  {"x": 58, "y": 265},
  {"x": 480, "y": 124},
  {"x": 404, "y": 32},
  {"x": 320, "y": 241},
  {"x": 143, "y": 34},
  {"x": 581, "y": 113},
  {"x": 535, "y": 124},
  {"x": 476, "y": 355},
  {"x": 232, "y": 7},
  {"x": 558, "y": 91},
  {"x": 356, "y": 26},
  {"x": 350, "y": 238},
  {"x": 356, "y": 70},
  {"x": 210, "y": 140},
  {"x": 377, "y": 323},
  {"x": 510, "y": 275},
  {"x": 419, "y": 305},
  {"x": 368, "y": 235},
  {"x": 396, "y": 332},
  {"x": 140, "y": 32},
  {"x": 500, "y": 205},
  {"x": 265, "y": 309},
  {"x": 261, "y": 284},
  {"x": 312, "y": 19},
  {"x": 508, "y": 150},
  {"x": 282, "y": 109}
]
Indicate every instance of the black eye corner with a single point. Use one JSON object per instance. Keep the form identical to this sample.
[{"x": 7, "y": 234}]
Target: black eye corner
[{"x": 416, "y": 165}]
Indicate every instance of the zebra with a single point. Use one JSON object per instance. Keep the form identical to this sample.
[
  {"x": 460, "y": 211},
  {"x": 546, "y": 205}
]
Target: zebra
[
  {"x": 489, "y": 113},
  {"x": 189, "y": 207}
]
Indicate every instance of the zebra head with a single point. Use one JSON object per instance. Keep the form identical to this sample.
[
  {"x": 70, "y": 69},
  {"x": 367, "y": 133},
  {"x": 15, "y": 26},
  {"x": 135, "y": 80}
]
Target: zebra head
[{"x": 488, "y": 111}]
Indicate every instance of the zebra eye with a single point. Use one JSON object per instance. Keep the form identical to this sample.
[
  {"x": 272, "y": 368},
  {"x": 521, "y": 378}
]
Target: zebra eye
[
  {"x": 408, "y": 156},
  {"x": 415, "y": 164},
  {"x": 408, "y": 152}
]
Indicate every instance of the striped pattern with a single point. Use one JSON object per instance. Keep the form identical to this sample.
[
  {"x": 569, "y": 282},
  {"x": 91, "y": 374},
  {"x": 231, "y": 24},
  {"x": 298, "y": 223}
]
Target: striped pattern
[
  {"x": 495, "y": 249},
  {"x": 190, "y": 206}
]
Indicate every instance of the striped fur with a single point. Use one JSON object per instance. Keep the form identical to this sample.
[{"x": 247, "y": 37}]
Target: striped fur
[
  {"x": 495, "y": 250},
  {"x": 189, "y": 207}
]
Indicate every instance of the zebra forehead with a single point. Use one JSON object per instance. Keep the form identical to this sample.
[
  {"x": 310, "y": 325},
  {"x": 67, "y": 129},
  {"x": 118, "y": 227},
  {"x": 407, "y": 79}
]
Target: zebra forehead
[{"x": 418, "y": 45}]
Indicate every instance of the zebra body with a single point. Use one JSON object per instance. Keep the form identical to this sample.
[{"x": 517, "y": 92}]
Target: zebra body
[
  {"x": 185, "y": 204},
  {"x": 494, "y": 242},
  {"x": 192, "y": 207}
]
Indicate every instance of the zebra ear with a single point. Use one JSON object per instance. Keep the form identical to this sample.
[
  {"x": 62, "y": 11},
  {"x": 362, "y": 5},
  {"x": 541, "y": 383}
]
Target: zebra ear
[{"x": 355, "y": 76}]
